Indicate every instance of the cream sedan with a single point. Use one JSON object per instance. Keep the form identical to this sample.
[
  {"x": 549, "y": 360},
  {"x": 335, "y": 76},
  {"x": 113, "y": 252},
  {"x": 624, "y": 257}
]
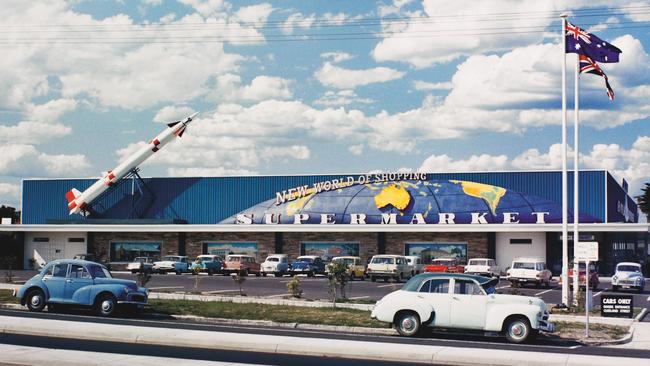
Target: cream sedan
[{"x": 450, "y": 300}]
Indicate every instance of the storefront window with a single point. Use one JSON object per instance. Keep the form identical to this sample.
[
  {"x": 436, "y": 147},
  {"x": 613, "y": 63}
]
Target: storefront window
[
  {"x": 122, "y": 251},
  {"x": 430, "y": 251},
  {"x": 222, "y": 249},
  {"x": 330, "y": 249}
]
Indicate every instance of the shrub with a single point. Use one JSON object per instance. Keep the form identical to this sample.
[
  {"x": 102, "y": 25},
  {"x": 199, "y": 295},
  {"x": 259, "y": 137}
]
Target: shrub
[{"x": 294, "y": 287}]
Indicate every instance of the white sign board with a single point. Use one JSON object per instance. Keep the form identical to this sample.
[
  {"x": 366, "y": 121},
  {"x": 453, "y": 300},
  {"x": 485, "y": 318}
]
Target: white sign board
[{"x": 586, "y": 251}]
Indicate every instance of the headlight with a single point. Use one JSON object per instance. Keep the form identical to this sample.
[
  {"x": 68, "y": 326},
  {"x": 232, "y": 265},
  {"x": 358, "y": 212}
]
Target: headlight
[{"x": 127, "y": 289}]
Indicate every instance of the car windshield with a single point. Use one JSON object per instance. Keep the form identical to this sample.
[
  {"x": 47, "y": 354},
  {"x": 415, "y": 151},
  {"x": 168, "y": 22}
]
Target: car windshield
[
  {"x": 99, "y": 272},
  {"x": 628, "y": 268},
  {"x": 442, "y": 262},
  {"x": 383, "y": 260},
  {"x": 348, "y": 261},
  {"x": 523, "y": 265},
  {"x": 272, "y": 259},
  {"x": 173, "y": 259},
  {"x": 478, "y": 262},
  {"x": 308, "y": 260},
  {"x": 233, "y": 259}
]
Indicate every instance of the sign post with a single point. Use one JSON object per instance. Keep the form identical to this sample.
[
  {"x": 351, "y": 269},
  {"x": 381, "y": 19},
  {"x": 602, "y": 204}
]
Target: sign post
[{"x": 585, "y": 251}]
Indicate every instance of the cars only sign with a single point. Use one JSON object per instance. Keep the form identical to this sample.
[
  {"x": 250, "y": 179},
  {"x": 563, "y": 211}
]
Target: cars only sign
[{"x": 620, "y": 306}]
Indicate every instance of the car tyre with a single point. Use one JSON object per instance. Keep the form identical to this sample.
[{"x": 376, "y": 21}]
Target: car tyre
[
  {"x": 407, "y": 324},
  {"x": 257, "y": 274},
  {"x": 310, "y": 274},
  {"x": 178, "y": 273},
  {"x": 385, "y": 279},
  {"x": 134, "y": 271},
  {"x": 373, "y": 279},
  {"x": 35, "y": 300},
  {"x": 106, "y": 305},
  {"x": 263, "y": 274},
  {"x": 210, "y": 271},
  {"x": 518, "y": 330},
  {"x": 277, "y": 274}
]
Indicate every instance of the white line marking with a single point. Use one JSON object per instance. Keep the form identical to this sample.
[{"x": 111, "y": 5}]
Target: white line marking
[
  {"x": 648, "y": 298},
  {"x": 543, "y": 292},
  {"x": 165, "y": 288},
  {"x": 359, "y": 297},
  {"x": 598, "y": 293}
]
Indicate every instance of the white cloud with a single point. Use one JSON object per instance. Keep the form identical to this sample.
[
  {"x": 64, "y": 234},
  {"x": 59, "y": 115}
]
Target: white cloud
[
  {"x": 21, "y": 160},
  {"x": 9, "y": 194},
  {"x": 152, "y": 2},
  {"x": 444, "y": 163},
  {"x": 338, "y": 77},
  {"x": 356, "y": 149},
  {"x": 423, "y": 85},
  {"x": 229, "y": 88},
  {"x": 172, "y": 113},
  {"x": 50, "y": 111},
  {"x": 299, "y": 152},
  {"x": 336, "y": 57},
  {"x": 258, "y": 13},
  {"x": 205, "y": 7},
  {"x": 341, "y": 97},
  {"x": 27, "y": 132},
  {"x": 297, "y": 20}
]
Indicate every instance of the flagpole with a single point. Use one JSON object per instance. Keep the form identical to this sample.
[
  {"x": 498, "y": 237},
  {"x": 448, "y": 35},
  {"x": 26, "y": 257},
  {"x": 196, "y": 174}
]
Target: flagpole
[
  {"x": 565, "y": 243},
  {"x": 576, "y": 152}
]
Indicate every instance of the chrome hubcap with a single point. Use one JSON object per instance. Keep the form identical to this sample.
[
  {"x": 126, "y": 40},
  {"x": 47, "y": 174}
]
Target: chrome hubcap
[
  {"x": 107, "y": 305},
  {"x": 36, "y": 300},
  {"x": 517, "y": 330},
  {"x": 408, "y": 324}
]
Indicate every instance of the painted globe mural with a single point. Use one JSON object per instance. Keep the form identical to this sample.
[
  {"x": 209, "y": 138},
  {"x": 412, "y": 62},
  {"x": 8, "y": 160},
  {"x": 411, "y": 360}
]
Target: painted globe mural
[{"x": 406, "y": 199}]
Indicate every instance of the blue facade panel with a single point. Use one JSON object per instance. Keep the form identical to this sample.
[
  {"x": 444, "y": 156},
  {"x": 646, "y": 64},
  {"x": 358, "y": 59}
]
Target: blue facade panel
[{"x": 209, "y": 200}]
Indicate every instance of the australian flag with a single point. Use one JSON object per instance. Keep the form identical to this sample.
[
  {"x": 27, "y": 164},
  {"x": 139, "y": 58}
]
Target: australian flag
[
  {"x": 588, "y": 65},
  {"x": 584, "y": 43}
]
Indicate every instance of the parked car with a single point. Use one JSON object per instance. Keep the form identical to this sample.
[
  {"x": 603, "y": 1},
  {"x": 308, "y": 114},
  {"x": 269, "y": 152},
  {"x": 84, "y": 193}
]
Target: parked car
[
  {"x": 445, "y": 265},
  {"x": 628, "y": 275},
  {"x": 415, "y": 263},
  {"x": 172, "y": 263},
  {"x": 80, "y": 282},
  {"x": 92, "y": 258},
  {"x": 388, "y": 266},
  {"x": 593, "y": 276},
  {"x": 237, "y": 262},
  {"x": 276, "y": 264},
  {"x": 483, "y": 267},
  {"x": 460, "y": 301},
  {"x": 529, "y": 270},
  {"x": 356, "y": 267},
  {"x": 207, "y": 263},
  {"x": 141, "y": 263},
  {"x": 307, "y": 264}
]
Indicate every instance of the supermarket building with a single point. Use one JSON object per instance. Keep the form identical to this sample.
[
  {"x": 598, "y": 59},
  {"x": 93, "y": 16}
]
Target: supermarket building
[{"x": 501, "y": 215}]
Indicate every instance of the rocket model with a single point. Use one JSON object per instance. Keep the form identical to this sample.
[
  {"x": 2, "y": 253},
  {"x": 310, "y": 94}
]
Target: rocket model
[{"x": 78, "y": 201}]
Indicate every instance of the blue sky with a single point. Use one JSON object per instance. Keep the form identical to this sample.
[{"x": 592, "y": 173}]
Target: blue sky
[{"x": 425, "y": 86}]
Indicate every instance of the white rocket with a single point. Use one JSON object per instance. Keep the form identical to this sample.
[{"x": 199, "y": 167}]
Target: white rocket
[{"x": 78, "y": 201}]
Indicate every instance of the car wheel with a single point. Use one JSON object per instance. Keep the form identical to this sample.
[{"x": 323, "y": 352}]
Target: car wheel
[
  {"x": 614, "y": 288},
  {"x": 35, "y": 300},
  {"x": 106, "y": 305},
  {"x": 257, "y": 274},
  {"x": 517, "y": 330},
  {"x": 385, "y": 279},
  {"x": 547, "y": 284},
  {"x": 178, "y": 273},
  {"x": 134, "y": 271},
  {"x": 210, "y": 271},
  {"x": 277, "y": 274},
  {"x": 407, "y": 324},
  {"x": 310, "y": 274},
  {"x": 373, "y": 279}
]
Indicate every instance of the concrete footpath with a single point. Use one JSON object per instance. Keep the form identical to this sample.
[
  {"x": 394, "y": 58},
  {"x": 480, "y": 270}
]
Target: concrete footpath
[
  {"x": 640, "y": 337},
  {"x": 299, "y": 346}
]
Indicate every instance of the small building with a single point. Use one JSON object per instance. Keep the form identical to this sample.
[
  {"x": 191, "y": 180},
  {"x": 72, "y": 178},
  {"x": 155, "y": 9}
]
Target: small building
[{"x": 501, "y": 215}]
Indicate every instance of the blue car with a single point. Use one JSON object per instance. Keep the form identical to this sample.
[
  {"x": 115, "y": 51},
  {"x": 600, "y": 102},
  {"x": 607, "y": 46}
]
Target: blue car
[
  {"x": 307, "y": 264},
  {"x": 80, "y": 282}
]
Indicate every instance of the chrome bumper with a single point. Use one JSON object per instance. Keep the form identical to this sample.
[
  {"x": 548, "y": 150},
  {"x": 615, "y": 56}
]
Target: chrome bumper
[{"x": 546, "y": 326}]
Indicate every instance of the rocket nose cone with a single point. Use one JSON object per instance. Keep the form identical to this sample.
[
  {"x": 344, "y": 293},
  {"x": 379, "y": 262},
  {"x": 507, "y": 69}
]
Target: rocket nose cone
[{"x": 190, "y": 118}]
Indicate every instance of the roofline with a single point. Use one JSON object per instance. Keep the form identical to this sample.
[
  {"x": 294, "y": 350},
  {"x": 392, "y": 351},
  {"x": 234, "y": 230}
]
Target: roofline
[
  {"x": 340, "y": 228},
  {"x": 336, "y": 173}
]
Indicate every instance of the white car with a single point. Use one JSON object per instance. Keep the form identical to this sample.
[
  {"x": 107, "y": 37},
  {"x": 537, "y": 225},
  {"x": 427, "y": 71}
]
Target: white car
[
  {"x": 172, "y": 263},
  {"x": 388, "y": 266},
  {"x": 449, "y": 300},
  {"x": 628, "y": 275},
  {"x": 485, "y": 267},
  {"x": 529, "y": 270},
  {"x": 275, "y": 264},
  {"x": 146, "y": 263},
  {"x": 415, "y": 262}
]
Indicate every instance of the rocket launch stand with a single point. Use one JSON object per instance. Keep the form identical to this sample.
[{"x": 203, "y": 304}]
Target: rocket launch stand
[{"x": 142, "y": 196}]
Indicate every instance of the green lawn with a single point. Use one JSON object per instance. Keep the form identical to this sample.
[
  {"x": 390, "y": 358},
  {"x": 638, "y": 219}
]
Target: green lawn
[{"x": 277, "y": 313}]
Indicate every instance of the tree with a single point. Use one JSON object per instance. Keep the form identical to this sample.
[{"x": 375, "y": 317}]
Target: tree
[
  {"x": 338, "y": 276},
  {"x": 8, "y": 211},
  {"x": 644, "y": 201}
]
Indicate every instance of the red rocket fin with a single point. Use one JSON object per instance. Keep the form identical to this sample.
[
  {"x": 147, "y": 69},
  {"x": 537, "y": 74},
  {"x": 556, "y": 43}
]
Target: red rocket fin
[
  {"x": 71, "y": 196},
  {"x": 173, "y": 124},
  {"x": 180, "y": 134}
]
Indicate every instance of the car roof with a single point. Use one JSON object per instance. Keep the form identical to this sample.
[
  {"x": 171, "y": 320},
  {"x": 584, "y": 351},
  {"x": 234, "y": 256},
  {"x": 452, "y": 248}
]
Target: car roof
[
  {"x": 239, "y": 255},
  {"x": 628, "y": 264},
  {"x": 480, "y": 259},
  {"x": 528, "y": 259},
  {"x": 480, "y": 279},
  {"x": 387, "y": 255},
  {"x": 277, "y": 255},
  {"x": 74, "y": 261},
  {"x": 346, "y": 256},
  {"x": 309, "y": 256}
]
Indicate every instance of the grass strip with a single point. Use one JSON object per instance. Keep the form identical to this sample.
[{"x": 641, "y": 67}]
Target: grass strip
[
  {"x": 7, "y": 297},
  {"x": 571, "y": 329},
  {"x": 277, "y": 313}
]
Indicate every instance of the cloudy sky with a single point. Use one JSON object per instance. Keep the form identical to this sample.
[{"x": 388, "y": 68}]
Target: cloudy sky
[{"x": 301, "y": 87}]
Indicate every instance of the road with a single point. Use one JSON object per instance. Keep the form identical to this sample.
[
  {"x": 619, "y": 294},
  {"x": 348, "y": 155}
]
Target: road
[
  {"x": 433, "y": 339},
  {"x": 317, "y": 287}
]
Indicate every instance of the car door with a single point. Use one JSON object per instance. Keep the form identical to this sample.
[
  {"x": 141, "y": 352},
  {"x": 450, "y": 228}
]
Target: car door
[
  {"x": 436, "y": 293},
  {"x": 77, "y": 278},
  {"x": 55, "y": 280},
  {"x": 468, "y": 304}
]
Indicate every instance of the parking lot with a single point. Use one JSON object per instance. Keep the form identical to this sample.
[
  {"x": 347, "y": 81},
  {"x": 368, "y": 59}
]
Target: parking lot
[{"x": 317, "y": 287}]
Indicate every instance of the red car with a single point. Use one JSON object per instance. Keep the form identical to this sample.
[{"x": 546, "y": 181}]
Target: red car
[
  {"x": 593, "y": 276},
  {"x": 444, "y": 265}
]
